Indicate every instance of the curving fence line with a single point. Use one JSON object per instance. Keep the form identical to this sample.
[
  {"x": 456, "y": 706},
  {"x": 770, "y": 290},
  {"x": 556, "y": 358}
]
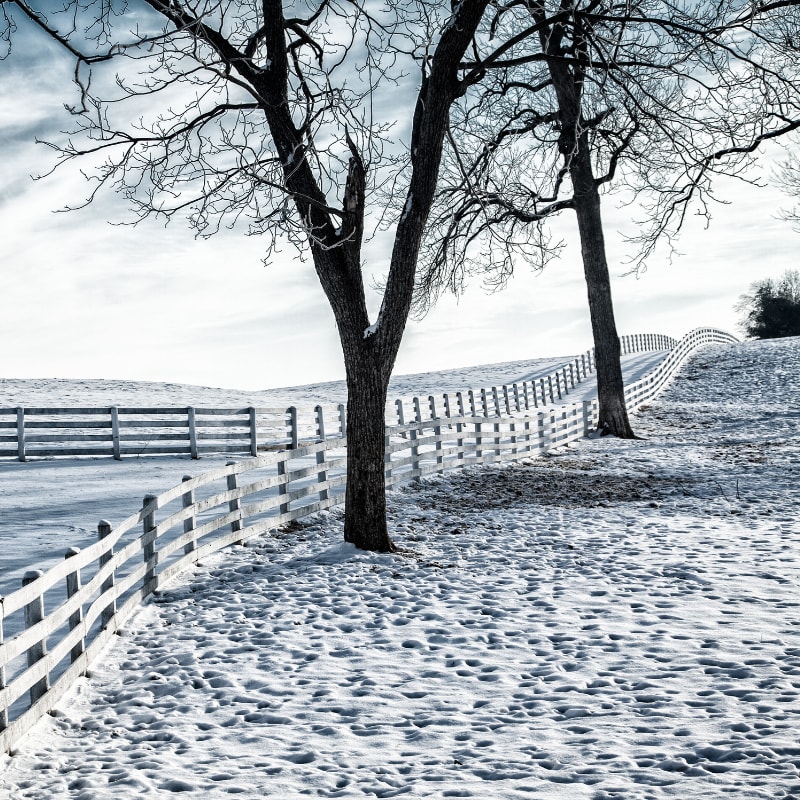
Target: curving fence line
[
  {"x": 60, "y": 620},
  {"x": 50, "y": 432}
]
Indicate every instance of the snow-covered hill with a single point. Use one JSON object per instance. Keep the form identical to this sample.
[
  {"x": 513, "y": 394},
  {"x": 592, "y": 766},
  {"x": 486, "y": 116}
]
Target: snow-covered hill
[{"x": 619, "y": 620}]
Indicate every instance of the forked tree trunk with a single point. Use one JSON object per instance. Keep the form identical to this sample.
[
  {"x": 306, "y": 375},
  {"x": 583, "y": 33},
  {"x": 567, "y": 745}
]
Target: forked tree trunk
[{"x": 365, "y": 497}]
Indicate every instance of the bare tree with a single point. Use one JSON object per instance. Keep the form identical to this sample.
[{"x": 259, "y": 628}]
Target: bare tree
[
  {"x": 261, "y": 112},
  {"x": 647, "y": 97}
]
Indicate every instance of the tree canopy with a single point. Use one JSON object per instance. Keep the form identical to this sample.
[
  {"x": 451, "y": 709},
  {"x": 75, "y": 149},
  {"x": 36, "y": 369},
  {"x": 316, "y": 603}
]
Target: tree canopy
[{"x": 771, "y": 309}]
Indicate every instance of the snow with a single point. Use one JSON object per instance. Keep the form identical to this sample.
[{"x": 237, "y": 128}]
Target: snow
[
  {"x": 371, "y": 329},
  {"x": 618, "y": 620},
  {"x": 407, "y": 206},
  {"x": 36, "y": 527}
]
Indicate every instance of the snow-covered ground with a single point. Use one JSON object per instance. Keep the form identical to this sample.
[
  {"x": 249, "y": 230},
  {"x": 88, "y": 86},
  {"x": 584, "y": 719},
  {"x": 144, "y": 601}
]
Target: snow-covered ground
[
  {"x": 37, "y": 527},
  {"x": 620, "y": 620}
]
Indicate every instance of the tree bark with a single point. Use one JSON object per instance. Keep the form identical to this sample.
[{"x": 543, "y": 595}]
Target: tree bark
[
  {"x": 613, "y": 413},
  {"x": 575, "y": 149},
  {"x": 365, "y": 523}
]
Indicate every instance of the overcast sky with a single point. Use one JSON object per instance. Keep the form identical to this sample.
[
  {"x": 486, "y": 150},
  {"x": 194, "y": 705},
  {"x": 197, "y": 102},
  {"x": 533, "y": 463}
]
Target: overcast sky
[{"x": 83, "y": 298}]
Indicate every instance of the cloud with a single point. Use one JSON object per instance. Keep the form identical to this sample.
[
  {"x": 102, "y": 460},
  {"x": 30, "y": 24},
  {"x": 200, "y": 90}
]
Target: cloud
[{"x": 83, "y": 298}]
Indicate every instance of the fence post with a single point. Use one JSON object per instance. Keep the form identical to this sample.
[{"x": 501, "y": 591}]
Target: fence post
[
  {"x": 387, "y": 464},
  {"x": 21, "y": 434},
  {"x": 460, "y": 426},
  {"x": 484, "y": 404},
  {"x": 293, "y": 433},
  {"x": 587, "y": 417},
  {"x": 322, "y": 475},
  {"x": 472, "y": 408},
  {"x": 189, "y": 523},
  {"x": 342, "y": 420},
  {"x": 447, "y": 408},
  {"x": 115, "y": 433},
  {"x": 149, "y": 545},
  {"x": 550, "y": 382},
  {"x": 437, "y": 432},
  {"x": 191, "y": 421},
  {"x": 4, "y": 707},
  {"x": 235, "y": 504},
  {"x": 540, "y": 431},
  {"x": 415, "y": 435},
  {"x": 76, "y": 618},
  {"x": 496, "y": 401},
  {"x": 253, "y": 431},
  {"x": 34, "y": 613},
  {"x": 283, "y": 487},
  {"x": 401, "y": 419},
  {"x": 448, "y": 412},
  {"x": 108, "y": 613}
]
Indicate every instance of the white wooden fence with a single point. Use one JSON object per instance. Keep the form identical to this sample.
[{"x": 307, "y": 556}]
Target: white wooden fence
[
  {"x": 58, "y": 622},
  {"x": 27, "y": 433}
]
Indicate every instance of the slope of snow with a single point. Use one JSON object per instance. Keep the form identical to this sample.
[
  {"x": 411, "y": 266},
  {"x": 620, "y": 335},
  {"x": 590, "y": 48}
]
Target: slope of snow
[
  {"x": 36, "y": 526},
  {"x": 618, "y": 620},
  {"x": 45, "y": 391}
]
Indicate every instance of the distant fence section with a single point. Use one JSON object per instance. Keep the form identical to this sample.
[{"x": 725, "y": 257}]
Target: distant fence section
[
  {"x": 58, "y": 622},
  {"x": 112, "y": 431},
  {"x": 27, "y": 433}
]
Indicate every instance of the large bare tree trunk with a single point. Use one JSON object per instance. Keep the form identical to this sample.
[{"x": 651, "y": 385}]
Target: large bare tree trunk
[
  {"x": 365, "y": 498},
  {"x": 576, "y": 151},
  {"x": 613, "y": 414}
]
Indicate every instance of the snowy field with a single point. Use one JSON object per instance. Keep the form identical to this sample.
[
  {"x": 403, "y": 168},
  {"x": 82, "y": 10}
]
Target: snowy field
[
  {"x": 620, "y": 620},
  {"x": 37, "y": 527}
]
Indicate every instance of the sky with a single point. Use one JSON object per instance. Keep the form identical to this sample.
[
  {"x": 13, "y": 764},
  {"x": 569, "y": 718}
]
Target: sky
[{"x": 85, "y": 298}]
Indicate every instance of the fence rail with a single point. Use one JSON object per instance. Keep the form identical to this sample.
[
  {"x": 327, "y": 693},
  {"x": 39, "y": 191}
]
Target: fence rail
[{"x": 60, "y": 620}]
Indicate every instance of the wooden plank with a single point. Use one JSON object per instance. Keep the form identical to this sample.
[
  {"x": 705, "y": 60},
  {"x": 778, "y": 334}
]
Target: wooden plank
[
  {"x": 234, "y": 505},
  {"x": 254, "y": 432},
  {"x": 227, "y": 412},
  {"x": 192, "y": 423},
  {"x": 48, "y": 438},
  {"x": 64, "y": 424},
  {"x": 224, "y": 436},
  {"x": 322, "y": 472},
  {"x": 103, "y": 532},
  {"x": 72, "y": 451},
  {"x": 156, "y": 450},
  {"x": 76, "y": 617},
  {"x": 34, "y": 614},
  {"x": 188, "y": 500},
  {"x": 149, "y": 534},
  {"x": 115, "y": 432},
  {"x": 104, "y": 411},
  {"x": 21, "y": 434},
  {"x": 153, "y": 423}
]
